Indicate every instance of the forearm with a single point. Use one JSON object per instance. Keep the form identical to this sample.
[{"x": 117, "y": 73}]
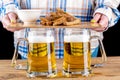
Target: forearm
[{"x": 108, "y": 8}]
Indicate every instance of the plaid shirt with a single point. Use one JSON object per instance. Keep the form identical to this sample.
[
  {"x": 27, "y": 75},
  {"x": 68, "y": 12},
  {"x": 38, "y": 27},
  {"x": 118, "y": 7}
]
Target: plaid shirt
[{"x": 83, "y": 9}]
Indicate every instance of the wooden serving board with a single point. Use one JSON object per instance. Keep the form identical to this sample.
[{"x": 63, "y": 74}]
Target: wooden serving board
[{"x": 81, "y": 25}]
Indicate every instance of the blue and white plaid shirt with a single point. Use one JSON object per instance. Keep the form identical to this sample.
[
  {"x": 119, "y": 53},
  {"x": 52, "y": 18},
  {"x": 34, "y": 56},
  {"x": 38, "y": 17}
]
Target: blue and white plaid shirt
[{"x": 83, "y": 9}]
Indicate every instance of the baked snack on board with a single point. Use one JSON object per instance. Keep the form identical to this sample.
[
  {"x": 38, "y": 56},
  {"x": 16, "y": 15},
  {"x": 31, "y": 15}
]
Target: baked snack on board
[{"x": 59, "y": 18}]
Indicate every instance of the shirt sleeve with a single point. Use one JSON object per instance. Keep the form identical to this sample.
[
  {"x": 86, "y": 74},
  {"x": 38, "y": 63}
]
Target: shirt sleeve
[
  {"x": 0, "y": 10},
  {"x": 9, "y": 6},
  {"x": 108, "y": 8}
]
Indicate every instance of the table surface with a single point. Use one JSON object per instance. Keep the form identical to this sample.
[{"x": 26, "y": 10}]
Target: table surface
[{"x": 110, "y": 71}]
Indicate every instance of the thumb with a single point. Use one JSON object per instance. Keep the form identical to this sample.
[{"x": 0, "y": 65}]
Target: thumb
[
  {"x": 12, "y": 17},
  {"x": 97, "y": 17}
]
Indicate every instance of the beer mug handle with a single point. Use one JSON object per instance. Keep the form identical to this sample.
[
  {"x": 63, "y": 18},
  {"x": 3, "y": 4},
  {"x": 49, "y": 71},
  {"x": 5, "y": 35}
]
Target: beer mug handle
[
  {"x": 102, "y": 50},
  {"x": 15, "y": 55}
]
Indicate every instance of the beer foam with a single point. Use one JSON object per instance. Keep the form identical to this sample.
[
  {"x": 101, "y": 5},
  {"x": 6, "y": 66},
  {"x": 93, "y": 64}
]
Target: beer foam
[
  {"x": 40, "y": 39},
  {"x": 76, "y": 38}
]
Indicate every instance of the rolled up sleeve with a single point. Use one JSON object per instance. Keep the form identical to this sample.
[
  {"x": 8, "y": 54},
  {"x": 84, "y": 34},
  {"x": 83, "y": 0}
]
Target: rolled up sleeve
[
  {"x": 108, "y": 8},
  {"x": 9, "y": 6}
]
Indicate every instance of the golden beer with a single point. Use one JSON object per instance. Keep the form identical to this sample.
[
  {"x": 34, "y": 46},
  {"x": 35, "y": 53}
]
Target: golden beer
[
  {"x": 77, "y": 53},
  {"x": 74, "y": 56},
  {"x": 38, "y": 57},
  {"x": 41, "y": 55}
]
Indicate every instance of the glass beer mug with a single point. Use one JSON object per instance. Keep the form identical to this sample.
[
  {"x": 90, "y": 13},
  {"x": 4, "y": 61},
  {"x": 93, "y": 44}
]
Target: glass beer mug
[
  {"x": 77, "y": 51},
  {"x": 41, "y": 54}
]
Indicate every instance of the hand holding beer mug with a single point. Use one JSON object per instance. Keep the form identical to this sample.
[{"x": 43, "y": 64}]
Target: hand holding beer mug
[
  {"x": 77, "y": 51},
  {"x": 41, "y": 55}
]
